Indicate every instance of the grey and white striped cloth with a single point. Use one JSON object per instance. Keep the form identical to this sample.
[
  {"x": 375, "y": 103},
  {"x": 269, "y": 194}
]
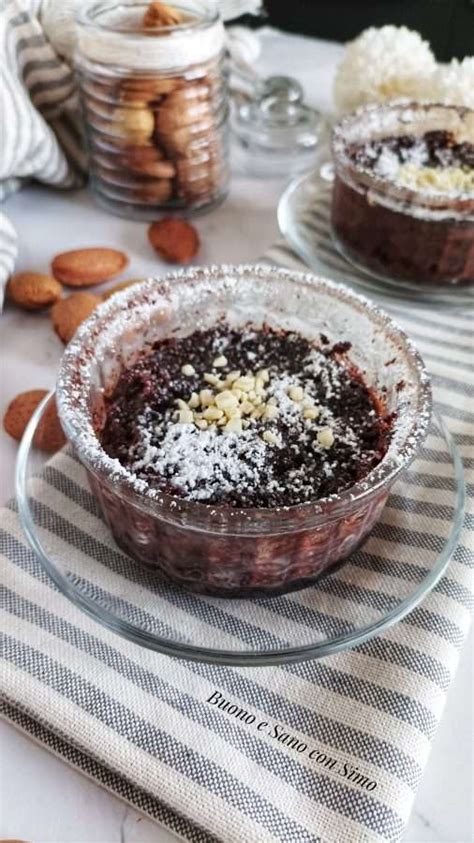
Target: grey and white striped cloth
[{"x": 139, "y": 723}]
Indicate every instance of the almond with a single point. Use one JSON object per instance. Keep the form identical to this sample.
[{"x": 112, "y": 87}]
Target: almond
[
  {"x": 175, "y": 240},
  {"x": 67, "y": 314},
  {"x": 160, "y": 14},
  {"x": 85, "y": 267},
  {"x": 49, "y": 435},
  {"x": 33, "y": 291}
]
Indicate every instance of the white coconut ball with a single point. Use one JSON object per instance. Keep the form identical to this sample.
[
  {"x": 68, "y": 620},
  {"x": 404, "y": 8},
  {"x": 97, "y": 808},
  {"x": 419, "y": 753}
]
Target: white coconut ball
[
  {"x": 453, "y": 83},
  {"x": 383, "y": 64}
]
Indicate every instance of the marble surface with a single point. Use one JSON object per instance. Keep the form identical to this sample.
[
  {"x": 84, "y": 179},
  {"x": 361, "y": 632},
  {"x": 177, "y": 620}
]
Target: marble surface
[{"x": 42, "y": 799}]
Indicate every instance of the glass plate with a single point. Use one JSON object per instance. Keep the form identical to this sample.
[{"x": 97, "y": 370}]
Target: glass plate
[
  {"x": 304, "y": 221},
  {"x": 376, "y": 587}
]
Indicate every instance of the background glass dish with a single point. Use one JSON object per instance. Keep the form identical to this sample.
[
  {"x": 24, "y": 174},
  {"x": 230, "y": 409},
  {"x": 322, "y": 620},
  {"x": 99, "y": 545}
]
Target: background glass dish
[
  {"x": 304, "y": 214},
  {"x": 378, "y": 586},
  {"x": 224, "y": 550}
]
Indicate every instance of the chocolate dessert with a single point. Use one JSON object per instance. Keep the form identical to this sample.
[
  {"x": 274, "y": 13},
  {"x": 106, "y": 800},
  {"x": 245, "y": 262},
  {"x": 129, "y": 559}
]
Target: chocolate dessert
[
  {"x": 229, "y": 451},
  {"x": 403, "y": 204},
  {"x": 246, "y": 418}
]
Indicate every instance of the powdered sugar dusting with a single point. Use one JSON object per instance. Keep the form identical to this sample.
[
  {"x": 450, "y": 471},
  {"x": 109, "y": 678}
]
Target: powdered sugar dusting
[{"x": 203, "y": 463}]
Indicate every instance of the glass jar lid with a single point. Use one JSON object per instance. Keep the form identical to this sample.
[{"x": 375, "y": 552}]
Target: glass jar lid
[{"x": 276, "y": 129}]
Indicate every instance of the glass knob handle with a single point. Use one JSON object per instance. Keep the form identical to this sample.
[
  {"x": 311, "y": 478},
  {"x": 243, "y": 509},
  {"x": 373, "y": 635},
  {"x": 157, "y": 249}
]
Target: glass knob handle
[{"x": 282, "y": 88}]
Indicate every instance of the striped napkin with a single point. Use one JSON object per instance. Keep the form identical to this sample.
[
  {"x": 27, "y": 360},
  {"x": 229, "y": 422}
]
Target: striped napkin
[{"x": 148, "y": 728}]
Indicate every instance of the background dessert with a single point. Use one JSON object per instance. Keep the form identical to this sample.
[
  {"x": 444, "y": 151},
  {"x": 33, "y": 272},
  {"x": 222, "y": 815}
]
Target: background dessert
[
  {"x": 234, "y": 550},
  {"x": 403, "y": 200}
]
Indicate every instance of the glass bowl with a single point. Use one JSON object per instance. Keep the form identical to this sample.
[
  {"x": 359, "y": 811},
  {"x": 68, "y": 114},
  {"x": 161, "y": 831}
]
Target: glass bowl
[
  {"x": 400, "y": 562},
  {"x": 398, "y": 232},
  {"x": 219, "y": 549},
  {"x": 304, "y": 219}
]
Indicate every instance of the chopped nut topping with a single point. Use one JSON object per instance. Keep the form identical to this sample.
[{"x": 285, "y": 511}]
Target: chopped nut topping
[
  {"x": 226, "y": 400},
  {"x": 246, "y": 383},
  {"x": 234, "y": 426},
  {"x": 271, "y": 412},
  {"x": 220, "y": 362},
  {"x": 185, "y": 417},
  {"x": 237, "y": 401},
  {"x": 212, "y": 379},
  {"x": 188, "y": 370},
  {"x": 246, "y": 408},
  {"x": 206, "y": 397},
  {"x": 271, "y": 438},
  {"x": 213, "y": 414},
  {"x": 325, "y": 437},
  {"x": 296, "y": 393}
]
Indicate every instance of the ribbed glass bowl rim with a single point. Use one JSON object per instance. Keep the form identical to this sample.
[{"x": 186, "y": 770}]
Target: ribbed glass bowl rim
[
  {"x": 87, "y": 18},
  {"x": 211, "y": 655},
  {"x": 258, "y": 521},
  {"x": 405, "y": 198}
]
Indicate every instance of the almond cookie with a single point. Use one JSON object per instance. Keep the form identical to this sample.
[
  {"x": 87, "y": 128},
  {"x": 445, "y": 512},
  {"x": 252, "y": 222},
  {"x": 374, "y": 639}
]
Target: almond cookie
[
  {"x": 146, "y": 89},
  {"x": 33, "y": 291},
  {"x": 85, "y": 267},
  {"x": 183, "y": 107},
  {"x": 67, "y": 314},
  {"x": 156, "y": 192},
  {"x": 49, "y": 435},
  {"x": 148, "y": 161},
  {"x": 174, "y": 239},
  {"x": 183, "y": 115}
]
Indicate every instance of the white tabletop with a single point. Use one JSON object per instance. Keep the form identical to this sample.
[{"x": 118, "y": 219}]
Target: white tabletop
[{"x": 42, "y": 799}]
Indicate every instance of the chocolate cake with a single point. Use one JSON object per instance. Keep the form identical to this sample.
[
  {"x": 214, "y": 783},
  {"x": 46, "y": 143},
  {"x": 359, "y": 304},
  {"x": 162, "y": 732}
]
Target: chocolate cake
[
  {"x": 246, "y": 418},
  {"x": 403, "y": 203}
]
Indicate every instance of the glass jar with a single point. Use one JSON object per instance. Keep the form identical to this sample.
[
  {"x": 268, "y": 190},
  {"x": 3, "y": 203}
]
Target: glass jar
[
  {"x": 155, "y": 105},
  {"x": 218, "y": 549},
  {"x": 404, "y": 233}
]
